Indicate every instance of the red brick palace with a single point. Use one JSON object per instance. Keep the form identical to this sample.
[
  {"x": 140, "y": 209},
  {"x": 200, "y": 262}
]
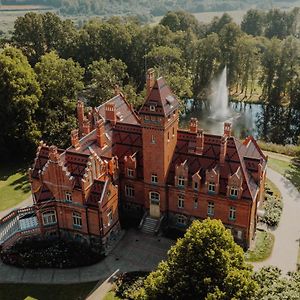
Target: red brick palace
[{"x": 142, "y": 165}]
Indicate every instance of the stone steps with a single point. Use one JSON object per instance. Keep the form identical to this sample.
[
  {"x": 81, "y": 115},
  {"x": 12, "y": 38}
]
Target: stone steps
[{"x": 149, "y": 225}]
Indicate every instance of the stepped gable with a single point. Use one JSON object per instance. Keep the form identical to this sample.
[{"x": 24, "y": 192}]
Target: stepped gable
[
  {"x": 210, "y": 158},
  {"x": 124, "y": 111},
  {"x": 162, "y": 98}
]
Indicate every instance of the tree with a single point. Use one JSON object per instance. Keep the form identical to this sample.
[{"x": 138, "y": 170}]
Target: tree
[
  {"x": 60, "y": 81},
  {"x": 38, "y": 34},
  {"x": 103, "y": 76},
  {"x": 204, "y": 264},
  {"x": 273, "y": 286},
  {"x": 253, "y": 22},
  {"x": 217, "y": 23},
  {"x": 19, "y": 97}
]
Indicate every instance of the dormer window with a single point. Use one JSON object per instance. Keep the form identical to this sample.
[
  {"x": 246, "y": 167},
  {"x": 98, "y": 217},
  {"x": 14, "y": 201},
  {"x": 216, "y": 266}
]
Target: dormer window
[
  {"x": 152, "y": 108},
  {"x": 181, "y": 181},
  {"x": 196, "y": 185},
  {"x": 233, "y": 192},
  {"x": 130, "y": 172},
  {"x": 68, "y": 196},
  {"x": 211, "y": 187}
]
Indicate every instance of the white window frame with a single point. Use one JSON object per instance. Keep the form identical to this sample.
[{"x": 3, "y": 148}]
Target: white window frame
[
  {"x": 154, "y": 197},
  {"x": 154, "y": 178},
  {"x": 234, "y": 191},
  {"x": 239, "y": 234},
  {"x": 130, "y": 172},
  {"x": 152, "y": 107},
  {"x": 181, "y": 219},
  {"x": 129, "y": 191},
  {"x": 210, "y": 208},
  {"x": 68, "y": 196},
  {"x": 49, "y": 217},
  {"x": 109, "y": 217},
  {"x": 232, "y": 213},
  {"x": 212, "y": 187},
  {"x": 181, "y": 181},
  {"x": 153, "y": 141},
  {"x": 77, "y": 219},
  {"x": 180, "y": 201}
]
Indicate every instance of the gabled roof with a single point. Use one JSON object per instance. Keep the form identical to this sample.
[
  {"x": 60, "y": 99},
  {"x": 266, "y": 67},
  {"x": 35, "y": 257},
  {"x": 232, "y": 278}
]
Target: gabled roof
[{"x": 162, "y": 98}]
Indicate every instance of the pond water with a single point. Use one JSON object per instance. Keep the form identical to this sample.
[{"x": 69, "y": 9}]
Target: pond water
[{"x": 245, "y": 119}]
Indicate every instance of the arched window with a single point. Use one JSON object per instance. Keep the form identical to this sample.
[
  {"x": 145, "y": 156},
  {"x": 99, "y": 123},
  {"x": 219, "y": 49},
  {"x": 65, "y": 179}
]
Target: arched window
[
  {"x": 154, "y": 198},
  {"x": 49, "y": 217}
]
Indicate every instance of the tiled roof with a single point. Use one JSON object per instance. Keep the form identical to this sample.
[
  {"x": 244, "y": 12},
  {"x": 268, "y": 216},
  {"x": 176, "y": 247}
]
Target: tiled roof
[{"x": 162, "y": 98}]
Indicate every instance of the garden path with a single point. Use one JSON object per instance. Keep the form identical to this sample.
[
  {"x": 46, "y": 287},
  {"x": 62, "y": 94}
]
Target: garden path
[{"x": 287, "y": 234}]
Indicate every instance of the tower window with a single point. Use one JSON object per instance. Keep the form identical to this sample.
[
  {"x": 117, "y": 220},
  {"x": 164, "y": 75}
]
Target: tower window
[
  {"x": 181, "y": 181},
  {"x": 154, "y": 178},
  {"x": 173, "y": 131},
  {"x": 196, "y": 185},
  {"x": 152, "y": 108},
  {"x": 153, "y": 139},
  {"x": 234, "y": 192}
]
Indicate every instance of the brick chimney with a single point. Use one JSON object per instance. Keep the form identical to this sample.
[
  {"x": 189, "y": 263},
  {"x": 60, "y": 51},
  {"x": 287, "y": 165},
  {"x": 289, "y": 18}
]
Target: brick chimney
[
  {"x": 199, "y": 142},
  {"x": 227, "y": 129},
  {"x": 110, "y": 113},
  {"x": 193, "y": 125},
  {"x": 80, "y": 115},
  {"x": 223, "y": 149},
  {"x": 75, "y": 139},
  {"x": 100, "y": 133},
  {"x": 86, "y": 126},
  {"x": 150, "y": 80}
]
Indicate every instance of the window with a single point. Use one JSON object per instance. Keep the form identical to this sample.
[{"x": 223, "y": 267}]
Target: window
[
  {"x": 173, "y": 131},
  {"x": 129, "y": 191},
  {"x": 146, "y": 118},
  {"x": 153, "y": 139},
  {"x": 239, "y": 234},
  {"x": 233, "y": 192},
  {"x": 211, "y": 187},
  {"x": 196, "y": 185},
  {"x": 130, "y": 172},
  {"x": 211, "y": 208},
  {"x": 154, "y": 198},
  {"x": 68, "y": 196},
  {"x": 49, "y": 217},
  {"x": 180, "y": 181},
  {"x": 181, "y": 201},
  {"x": 77, "y": 221},
  {"x": 152, "y": 108},
  {"x": 181, "y": 219},
  {"x": 232, "y": 213},
  {"x": 154, "y": 178},
  {"x": 168, "y": 136},
  {"x": 195, "y": 203},
  {"x": 109, "y": 217}
]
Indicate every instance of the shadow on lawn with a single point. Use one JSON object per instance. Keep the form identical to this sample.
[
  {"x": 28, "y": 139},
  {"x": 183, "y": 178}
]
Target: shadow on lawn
[
  {"x": 7, "y": 170},
  {"x": 293, "y": 174}
]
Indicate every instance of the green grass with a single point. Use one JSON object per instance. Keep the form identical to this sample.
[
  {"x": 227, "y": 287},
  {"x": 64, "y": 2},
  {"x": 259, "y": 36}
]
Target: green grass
[
  {"x": 111, "y": 296},
  {"x": 46, "y": 291},
  {"x": 14, "y": 185},
  {"x": 263, "y": 247}
]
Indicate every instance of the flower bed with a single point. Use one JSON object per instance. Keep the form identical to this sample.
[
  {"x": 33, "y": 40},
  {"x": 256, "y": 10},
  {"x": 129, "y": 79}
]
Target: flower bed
[{"x": 49, "y": 253}]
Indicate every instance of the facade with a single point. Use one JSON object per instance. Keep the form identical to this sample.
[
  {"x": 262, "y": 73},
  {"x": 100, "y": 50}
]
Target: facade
[{"x": 142, "y": 164}]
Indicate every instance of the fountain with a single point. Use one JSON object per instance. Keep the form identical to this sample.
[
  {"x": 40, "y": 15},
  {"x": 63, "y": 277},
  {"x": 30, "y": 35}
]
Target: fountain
[{"x": 219, "y": 98}]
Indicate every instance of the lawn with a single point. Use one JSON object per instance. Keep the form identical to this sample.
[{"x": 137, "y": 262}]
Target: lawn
[
  {"x": 14, "y": 185},
  {"x": 46, "y": 291},
  {"x": 264, "y": 242}
]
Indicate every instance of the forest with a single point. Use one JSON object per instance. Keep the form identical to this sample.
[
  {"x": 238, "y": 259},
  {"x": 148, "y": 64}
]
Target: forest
[{"x": 48, "y": 63}]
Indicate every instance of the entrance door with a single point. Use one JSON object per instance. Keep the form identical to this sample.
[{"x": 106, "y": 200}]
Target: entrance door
[{"x": 154, "y": 205}]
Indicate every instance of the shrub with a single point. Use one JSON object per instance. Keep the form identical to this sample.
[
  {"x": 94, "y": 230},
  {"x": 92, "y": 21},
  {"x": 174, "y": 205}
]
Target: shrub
[
  {"x": 273, "y": 209},
  {"x": 291, "y": 150},
  {"x": 49, "y": 253},
  {"x": 128, "y": 284}
]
